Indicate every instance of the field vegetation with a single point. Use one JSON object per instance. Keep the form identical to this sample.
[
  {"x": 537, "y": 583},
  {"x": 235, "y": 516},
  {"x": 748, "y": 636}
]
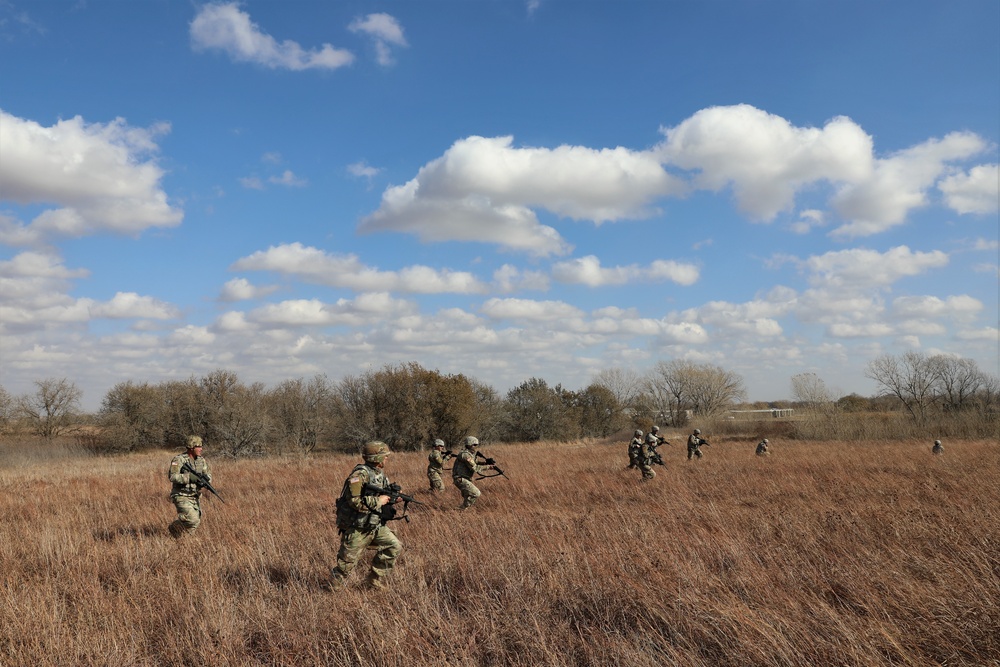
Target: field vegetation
[{"x": 824, "y": 553}]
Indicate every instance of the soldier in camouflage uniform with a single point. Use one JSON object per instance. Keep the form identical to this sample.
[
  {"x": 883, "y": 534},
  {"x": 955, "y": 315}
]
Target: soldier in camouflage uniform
[
  {"x": 762, "y": 448},
  {"x": 633, "y": 450},
  {"x": 938, "y": 448},
  {"x": 185, "y": 492},
  {"x": 361, "y": 520},
  {"x": 647, "y": 451},
  {"x": 435, "y": 465},
  {"x": 464, "y": 469},
  {"x": 694, "y": 444}
]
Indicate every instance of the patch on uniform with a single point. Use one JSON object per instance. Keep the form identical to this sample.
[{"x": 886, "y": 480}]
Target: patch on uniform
[
  {"x": 174, "y": 465},
  {"x": 354, "y": 480}
]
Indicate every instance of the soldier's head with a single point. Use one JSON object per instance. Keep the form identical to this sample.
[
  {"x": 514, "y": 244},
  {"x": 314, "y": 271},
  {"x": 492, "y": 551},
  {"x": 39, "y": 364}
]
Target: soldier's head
[
  {"x": 637, "y": 433},
  {"x": 765, "y": 441},
  {"x": 439, "y": 444},
  {"x": 375, "y": 452},
  {"x": 195, "y": 444},
  {"x": 937, "y": 443},
  {"x": 471, "y": 443},
  {"x": 654, "y": 430},
  {"x": 697, "y": 431}
]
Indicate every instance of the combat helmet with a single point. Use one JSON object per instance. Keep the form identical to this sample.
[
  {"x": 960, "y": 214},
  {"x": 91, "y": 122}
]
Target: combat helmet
[
  {"x": 654, "y": 430},
  {"x": 697, "y": 431},
  {"x": 439, "y": 443},
  {"x": 194, "y": 441},
  {"x": 471, "y": 442},
  {"x": 375, "y": 452},
  {"x": 638, "y": 433}
]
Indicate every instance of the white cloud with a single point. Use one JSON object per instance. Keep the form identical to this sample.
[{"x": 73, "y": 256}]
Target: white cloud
[
  {"x": 763, "y": 157},
  {"x": 385, "y": 31},
  {"x": 363, "y": 170},
  {"x": 483, "y": 189},
  {"x": 867, "y": 330},
  {"x": 366, "y": 309},
  {"x": 226, "y": 28},
  {"x": 288, "y": 178},
  {"x": 869, "y": 268},
  {"x": 588, "y": 271},
  {"x": 988, "y": 334},
  {"x": 252, "y": 183},
  {"x": 922, "y": 307},
  {"x": 529, "y": 310},
  {"x": 509, "y": 278},
  {"x": 977, "y": 191},
  {"x": 899, "y": 184},
  {"x": 100, "y": 177},
  {"x": 240, "y": 289},
  {"x": 315, "y": 266},
  {"x": 127, "y": 305}
]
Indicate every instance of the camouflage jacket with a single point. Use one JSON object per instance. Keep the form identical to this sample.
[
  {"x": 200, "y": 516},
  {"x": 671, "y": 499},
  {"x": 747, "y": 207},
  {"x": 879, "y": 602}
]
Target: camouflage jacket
[
  {"x": 694, "y": 442},
  {"x": 435, "y": 461},
  {"x": 183, "y": 483},
  {"x": 634, "y": 447},
  {"x": 465, "y": 465}
]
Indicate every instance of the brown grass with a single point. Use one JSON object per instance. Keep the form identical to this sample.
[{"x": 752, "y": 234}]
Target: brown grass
[{"x": 823, "y": 554}]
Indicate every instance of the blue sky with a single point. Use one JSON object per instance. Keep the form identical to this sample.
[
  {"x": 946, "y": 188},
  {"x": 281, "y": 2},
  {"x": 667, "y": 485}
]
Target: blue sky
[{"x": 499, "y": 188}]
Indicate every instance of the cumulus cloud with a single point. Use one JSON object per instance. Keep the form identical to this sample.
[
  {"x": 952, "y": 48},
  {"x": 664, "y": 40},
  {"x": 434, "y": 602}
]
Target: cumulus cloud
[
  {"x": 529, "y": 310},
  {"x": 925, "y": 307},
  {"x": 899, "y": 184},
  {"x": 763, "y": 157},
  {"x": 859, "y": 267},
  {"x": 241, "y": 289},
  {"x": 318, "y": 267},
  {"x": 100, "y": 177},
  {"x": 484, "y": 189},
  {"x": 588, "y": 271},
  {"x": 366, "y": 309},
  {"x": 977, "y": 191},
  {"x": 225, "y": 27},
  {"x": 386, "y": 33},
  {"x": 289, "y": 179},
  {"x": 509, "y": 278},
  {"x": 128, "y": 305}
]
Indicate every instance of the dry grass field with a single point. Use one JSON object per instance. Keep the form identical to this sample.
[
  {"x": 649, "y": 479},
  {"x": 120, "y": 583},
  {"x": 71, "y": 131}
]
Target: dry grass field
[{"x": 822, "y": 554}]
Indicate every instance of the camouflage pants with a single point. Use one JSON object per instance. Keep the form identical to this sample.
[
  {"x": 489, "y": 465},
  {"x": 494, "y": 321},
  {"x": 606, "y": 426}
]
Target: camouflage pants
[
  {"x": 188, "y": 515},
  {"x": 633, "y": 460},
  {"x": 469, "y": 491},
  {"x": 354, "y": 542},
  {"x": 694, "y": 452},
  {"x": 647, "y": 470},
  {"x": 434, "y": 477}
]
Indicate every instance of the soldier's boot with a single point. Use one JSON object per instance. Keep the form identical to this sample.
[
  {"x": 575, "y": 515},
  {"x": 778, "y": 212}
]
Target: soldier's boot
[
  {"x": 376, "y": 581},
  {"x": 175, "y": 530},
  {"x": 336, "y": 582}
]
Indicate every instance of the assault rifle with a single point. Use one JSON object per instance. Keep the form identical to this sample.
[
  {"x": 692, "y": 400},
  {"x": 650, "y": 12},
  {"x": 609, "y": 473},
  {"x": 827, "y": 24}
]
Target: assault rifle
[
  {"x": 395, "y": 493},
  {"x": 490, "y": 462},
  {"x": 200, "y": 479},
  {"x": 654, "y": 456}
]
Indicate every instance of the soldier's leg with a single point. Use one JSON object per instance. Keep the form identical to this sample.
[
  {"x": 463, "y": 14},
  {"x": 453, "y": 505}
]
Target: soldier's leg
[
  {"x": 647, "y": 472},
  {"x": 698, "y": 453},
  {"x": 352, "y": 544},
  {"x": 188, "y": 516},
  {"x": 388, "y": 548},
  {"x": 435, "y": 480},
  {"x": 470, "y": 493}
]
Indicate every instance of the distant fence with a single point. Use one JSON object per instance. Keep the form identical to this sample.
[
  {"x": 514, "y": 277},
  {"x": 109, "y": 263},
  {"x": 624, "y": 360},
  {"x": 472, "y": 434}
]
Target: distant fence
[{"x": 773, "y": 413}]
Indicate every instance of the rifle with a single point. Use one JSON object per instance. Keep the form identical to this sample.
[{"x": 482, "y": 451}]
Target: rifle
[
  {"x": 490, "y": 462},
  {"x": 200, "y": 480},
  {"x": 655, "y": 457},
  {"x": 395, "y": 493}
]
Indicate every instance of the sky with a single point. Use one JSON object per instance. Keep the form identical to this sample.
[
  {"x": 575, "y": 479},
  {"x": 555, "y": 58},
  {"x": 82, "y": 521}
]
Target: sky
[{"x": 507, "y": 189}]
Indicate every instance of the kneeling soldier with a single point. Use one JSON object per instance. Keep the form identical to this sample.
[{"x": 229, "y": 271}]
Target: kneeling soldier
[{"x": 185, "y": 492}]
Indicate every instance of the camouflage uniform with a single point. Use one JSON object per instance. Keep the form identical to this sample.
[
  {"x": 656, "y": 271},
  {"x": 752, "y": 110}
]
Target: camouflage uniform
[
  {"x": 361, "y": 525},
  {"x": 464, "y": 469},
  {"x": 694, "y": 445},
  {"x": 435, "y": 466},
  {"x": 185, "y": 493},
  {"x": 646, "y": 456},
  {"x": 762, "y": 448},
  {"x": 938, "y": 448},
  {"x": 633, "y": 450}
]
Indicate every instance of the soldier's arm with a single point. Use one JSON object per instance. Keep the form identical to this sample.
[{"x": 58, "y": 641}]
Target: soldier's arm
[
  {"x": 175, "y": 475},
  {"x": 357, "y": 501}
]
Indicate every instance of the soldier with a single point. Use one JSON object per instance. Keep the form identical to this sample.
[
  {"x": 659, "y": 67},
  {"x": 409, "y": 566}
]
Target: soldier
[
  {"x": 361, "y": 520},
  {"x": 762, "y": 448},
  {"x": 185, "y": 492},
  {"x": 694, "y": 444},
  {"x": 435, "y": 465},
  {"x": 647, "y": 453},
  {"x": 938, "y": 448},
  {"x": 633, "y": 450},
  {"x": 463, "y": 470}
]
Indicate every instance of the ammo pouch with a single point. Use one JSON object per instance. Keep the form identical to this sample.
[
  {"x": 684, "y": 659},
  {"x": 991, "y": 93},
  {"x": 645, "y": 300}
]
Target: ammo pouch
[{"x": 349, "y": 519}]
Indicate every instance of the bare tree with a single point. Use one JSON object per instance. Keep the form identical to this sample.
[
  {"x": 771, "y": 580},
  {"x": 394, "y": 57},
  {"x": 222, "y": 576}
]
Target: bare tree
[
  {"x": 910, "y": 378},
  {"x": 133, "y": 416},
  {"x": 624, "y": 384},
  {"x": 53, "y": 409},
  {"x": 714, "y": 389},
  {"x": 809, "y": 388},
  {"x": 302, "y": 412},
  {"x": 956, "y": 380},
  {"x": 6, "y": 408}
]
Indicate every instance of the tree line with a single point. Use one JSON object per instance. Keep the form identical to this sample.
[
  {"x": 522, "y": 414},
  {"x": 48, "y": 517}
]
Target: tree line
[{"x": 408, "y": 406}]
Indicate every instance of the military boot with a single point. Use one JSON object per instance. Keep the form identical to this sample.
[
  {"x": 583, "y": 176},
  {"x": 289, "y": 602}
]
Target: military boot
[{"x": 376, "y": 581}]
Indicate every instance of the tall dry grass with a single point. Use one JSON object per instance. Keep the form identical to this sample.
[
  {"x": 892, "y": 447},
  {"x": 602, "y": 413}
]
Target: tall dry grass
[{"x": 823, "y": 554}]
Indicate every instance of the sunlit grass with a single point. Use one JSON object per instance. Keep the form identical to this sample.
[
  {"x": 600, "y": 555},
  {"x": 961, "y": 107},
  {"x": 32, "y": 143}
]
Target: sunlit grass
[{"x": 823, "y": 553}]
